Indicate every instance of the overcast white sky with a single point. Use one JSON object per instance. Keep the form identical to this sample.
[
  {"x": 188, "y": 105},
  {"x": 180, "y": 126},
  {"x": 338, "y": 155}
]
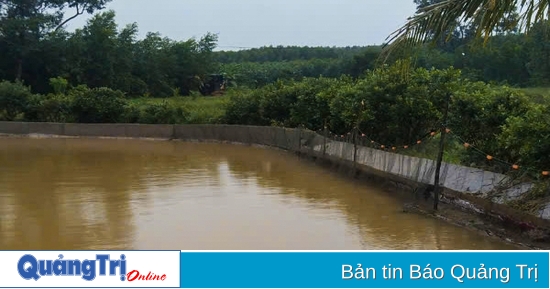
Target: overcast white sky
[{"x": 255, "y": 23}]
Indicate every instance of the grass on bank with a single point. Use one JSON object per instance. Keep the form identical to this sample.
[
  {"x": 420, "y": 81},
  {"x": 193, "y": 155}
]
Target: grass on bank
[{"x": 200, "y": 109}]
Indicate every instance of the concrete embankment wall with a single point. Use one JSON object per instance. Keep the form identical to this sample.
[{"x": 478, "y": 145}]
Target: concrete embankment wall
[{"x": 470, "y": 185}]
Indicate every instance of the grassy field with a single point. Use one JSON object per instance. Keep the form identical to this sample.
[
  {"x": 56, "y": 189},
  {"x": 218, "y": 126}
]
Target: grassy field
[{"x": 201, "y": 109}]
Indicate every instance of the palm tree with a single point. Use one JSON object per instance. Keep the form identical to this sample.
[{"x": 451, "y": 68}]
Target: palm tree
[{"x": 434, "y": 21}]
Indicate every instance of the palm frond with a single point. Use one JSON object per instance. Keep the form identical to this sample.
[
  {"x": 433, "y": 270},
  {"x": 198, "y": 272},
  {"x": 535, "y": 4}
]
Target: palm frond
[{"x": 433, "y": 21}]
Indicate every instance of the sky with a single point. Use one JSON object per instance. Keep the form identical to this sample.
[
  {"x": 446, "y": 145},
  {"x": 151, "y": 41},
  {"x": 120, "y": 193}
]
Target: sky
[{"x": 256, "y": 23}]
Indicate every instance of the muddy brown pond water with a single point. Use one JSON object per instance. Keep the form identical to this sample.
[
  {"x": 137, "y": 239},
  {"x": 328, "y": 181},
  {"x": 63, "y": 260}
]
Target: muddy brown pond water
[{"x": 139, "y": 194}]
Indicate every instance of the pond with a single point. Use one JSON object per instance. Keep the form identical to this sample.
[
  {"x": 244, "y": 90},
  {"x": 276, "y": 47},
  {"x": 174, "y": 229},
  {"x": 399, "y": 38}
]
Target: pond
[{"x": 99, "y": 194}]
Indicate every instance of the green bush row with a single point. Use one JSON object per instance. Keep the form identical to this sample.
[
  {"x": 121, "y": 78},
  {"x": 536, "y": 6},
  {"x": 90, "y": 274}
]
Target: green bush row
[
  {"x": 84, "y": 105},
  {"x": 394, "y": 105},
  {"x": 397, "y": 105}
]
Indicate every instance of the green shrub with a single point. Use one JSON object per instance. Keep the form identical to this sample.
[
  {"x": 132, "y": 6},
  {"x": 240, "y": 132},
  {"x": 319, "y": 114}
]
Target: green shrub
[
  {"x": 14, "y": 98},
  {"x": 78, "y": 89},
  {"x": 386, "y": 104},
  {"x": 398, "y": 107},
  {"x": 526, "y": 138},
  {"x": 347, "y": 106},
  {"x": 478, "y": 114},
  {"x": 98, "y": 105},
  {"x": 50, "y": 108},
  {"x": 132, "y": 113},
  {"x": 244, "y": 108},
  {"x": 162, "y": 113},
  {"x": 59, "y": 85},
  {"x": 133, "y": 86},
  {"x": 311, "y": 107},
  {"x": 289, "y": 103}
]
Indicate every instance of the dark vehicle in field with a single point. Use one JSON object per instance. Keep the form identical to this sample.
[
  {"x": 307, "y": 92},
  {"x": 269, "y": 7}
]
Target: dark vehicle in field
[{"x": 214, "y": 84}]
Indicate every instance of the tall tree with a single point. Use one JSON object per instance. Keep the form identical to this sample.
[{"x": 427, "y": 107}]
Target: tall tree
[
  {"x": 100, "y": 39},
  {"x": 23, "y": 23}
]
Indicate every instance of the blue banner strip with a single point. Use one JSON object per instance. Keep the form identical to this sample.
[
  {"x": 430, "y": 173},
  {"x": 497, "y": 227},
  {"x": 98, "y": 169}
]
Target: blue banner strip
[{"x": 460, "y": 269}]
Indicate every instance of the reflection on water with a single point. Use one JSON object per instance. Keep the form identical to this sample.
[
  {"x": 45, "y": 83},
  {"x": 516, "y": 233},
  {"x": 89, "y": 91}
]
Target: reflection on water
[{"x": 130, "y": 194}]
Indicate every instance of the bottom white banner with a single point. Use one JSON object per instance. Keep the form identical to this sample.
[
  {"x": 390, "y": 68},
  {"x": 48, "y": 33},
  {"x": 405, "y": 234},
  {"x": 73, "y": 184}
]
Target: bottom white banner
[{"x": 160, "y": 269}]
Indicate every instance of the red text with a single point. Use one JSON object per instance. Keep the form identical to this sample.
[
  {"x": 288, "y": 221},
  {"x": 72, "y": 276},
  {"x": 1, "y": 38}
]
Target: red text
[{"x": 135, "y": 275}]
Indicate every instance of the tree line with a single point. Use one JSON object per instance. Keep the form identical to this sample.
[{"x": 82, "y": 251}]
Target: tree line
[
  {"x": 512, "y": 58},
  {"x": 508, "y": 56},
  {"x": 35, "y": 47}
]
